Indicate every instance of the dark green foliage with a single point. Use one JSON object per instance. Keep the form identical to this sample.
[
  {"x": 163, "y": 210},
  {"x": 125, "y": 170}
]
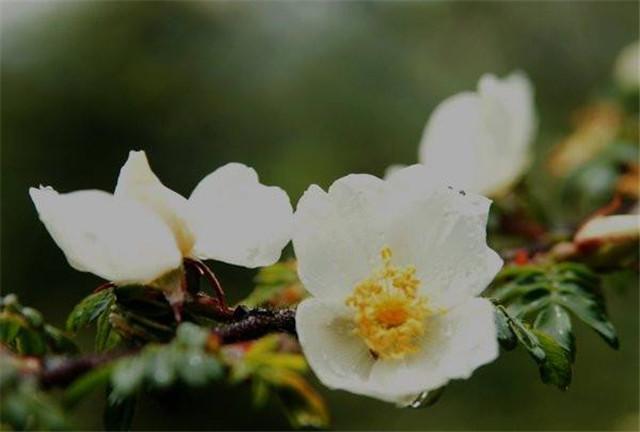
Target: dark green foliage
[
  {"x": 23, "y": 406},
  {"x": 24, "y": 331},
  {"x": 553, "y": 360},
  {"x": 272, "y": 372},
  {"x": 183, "y": 360},
  {"x": 90, "y": 309},
  {"x": 536, "y": 304}
]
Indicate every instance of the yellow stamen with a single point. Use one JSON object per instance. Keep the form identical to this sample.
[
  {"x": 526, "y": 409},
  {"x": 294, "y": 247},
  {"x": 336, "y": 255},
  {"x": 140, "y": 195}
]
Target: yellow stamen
[{"x": 389, "y": 313}]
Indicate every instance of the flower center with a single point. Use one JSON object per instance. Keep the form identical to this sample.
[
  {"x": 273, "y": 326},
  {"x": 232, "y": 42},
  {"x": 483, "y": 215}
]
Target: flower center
[{"x": 389, "y": 312}]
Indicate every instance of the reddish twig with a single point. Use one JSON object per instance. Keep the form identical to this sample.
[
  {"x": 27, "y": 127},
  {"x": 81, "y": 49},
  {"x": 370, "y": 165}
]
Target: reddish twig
[
  {"x": 210, "y": 307},
  {"x": 104, "y": 286},
  {"x": 62, "y": 372},
  {"x": 205, "y": 271},
  {"x": 244, "y": 325}
]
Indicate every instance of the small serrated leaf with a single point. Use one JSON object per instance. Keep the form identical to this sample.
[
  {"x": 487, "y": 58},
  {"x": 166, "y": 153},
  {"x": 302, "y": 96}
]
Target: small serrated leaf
[
  {"x": 90, "y": 309},
  {"x": 10, "y": 325},
  {"x": 106, "y": 337},
  {"x": 590, "y": 312},
  {"x": 556, "y": 367},
  {"x": 555, "y": 321},
  {"x": 31, "y": 342}
]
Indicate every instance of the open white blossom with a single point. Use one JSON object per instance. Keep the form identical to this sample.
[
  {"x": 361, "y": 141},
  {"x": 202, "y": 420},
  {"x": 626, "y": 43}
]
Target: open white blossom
[
  {"x": 394, "y": 268},
  {"x": 143, "y": 231},
  {"x": 480, "y": 141}
]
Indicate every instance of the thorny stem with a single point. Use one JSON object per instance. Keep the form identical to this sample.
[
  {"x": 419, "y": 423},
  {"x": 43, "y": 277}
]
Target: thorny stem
[
  {"x": 254, "y": 323},
  {"x": 244, "y": 325},
  {"x": 63, "y": 372},
  {"x": 203, "y": 270},
  {"x": 211, "y": 308}
]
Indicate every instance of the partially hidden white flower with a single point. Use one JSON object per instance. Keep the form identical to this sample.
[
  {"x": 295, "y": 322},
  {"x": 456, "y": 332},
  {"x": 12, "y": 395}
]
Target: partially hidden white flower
[
  {"x": 394, "y": 268},
  {"x": 627, "y": 67},
  {"x": 480, "y": 141},
  {"x": 143, "y": 231}
]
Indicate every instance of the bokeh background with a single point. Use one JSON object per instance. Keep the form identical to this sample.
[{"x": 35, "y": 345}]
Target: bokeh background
[{"x": 305, "y": 93}]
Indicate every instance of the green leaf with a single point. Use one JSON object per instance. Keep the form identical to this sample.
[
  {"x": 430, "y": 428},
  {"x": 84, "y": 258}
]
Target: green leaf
[
  {"x": 556, "y": 323},
  {"x": 31, "y": 342},
  {"x": 591, "y": 313},
  {"x": 537, "y": 302},
  {"x": 184, "y": 360},
  {"x": 128, "y": 375},
  {"x": 196, "y": 368},
  {"x": 553, "y": 360},
  {"x": 279, "y": 273},
  {"x": 58, "y": 341},
  {"x": 506, "y": 337},
  {"x": 106, "y": 337},
  {"x": 526, "y": 337},
  {"x": 23, "y": 406},
  {"x": 10, "y": 325},
  {"x": 303, "y": 406},
  {"x": 276, "y": 285},
  {"x": 90, "y": 309},
  {"x": 24, "y": 330},
  {"x": 533, "y": 291},
  {"x": 556, "y": 367}
]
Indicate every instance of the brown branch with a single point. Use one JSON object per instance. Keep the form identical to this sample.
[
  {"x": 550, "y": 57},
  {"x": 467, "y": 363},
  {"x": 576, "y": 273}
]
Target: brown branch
[
  {"x": 254, "y": 323},
  {"x": 59, "y": 372},
  {"x": 243, "y": 325}
]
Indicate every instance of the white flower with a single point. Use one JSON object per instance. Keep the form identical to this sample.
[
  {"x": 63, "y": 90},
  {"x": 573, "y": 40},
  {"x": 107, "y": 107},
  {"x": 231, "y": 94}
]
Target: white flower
[
  {"x": 394, "y": 268},
  {"x": 627, "y": 67},
  {"x": 144, "y": 230},
  {"x": 480, "y": 141}
]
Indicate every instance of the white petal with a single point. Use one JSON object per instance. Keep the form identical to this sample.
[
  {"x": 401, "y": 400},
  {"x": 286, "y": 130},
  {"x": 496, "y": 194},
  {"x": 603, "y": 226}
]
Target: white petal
[
  {"x": 480, "y": 141},
  {"x": 238, "y": 220},
  {"x": 456, "y": 343},
  {"x": 392, "y": 169},
  {"x": 610, "y": 229},
  {"x": 338, "y": 235},
  {"x": 339, "y": 357},
  {"x": 138, "y": 182},
  {"x": 442, "y": 232},
  {"x": 515, "y": 95},
  {"x": 118, "y": 240}
]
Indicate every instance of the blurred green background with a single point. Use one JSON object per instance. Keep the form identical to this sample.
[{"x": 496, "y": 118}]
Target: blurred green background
[{"x": 305, "y": 93}]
